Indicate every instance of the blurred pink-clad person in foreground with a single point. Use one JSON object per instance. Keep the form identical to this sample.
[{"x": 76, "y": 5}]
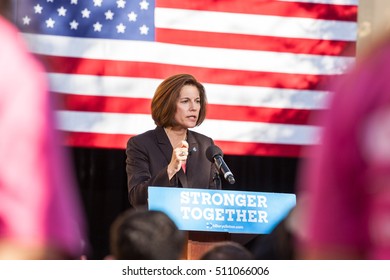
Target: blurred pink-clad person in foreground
[
  {"x": 347, "y": 181},
  {"x": 40, "y": 212}
]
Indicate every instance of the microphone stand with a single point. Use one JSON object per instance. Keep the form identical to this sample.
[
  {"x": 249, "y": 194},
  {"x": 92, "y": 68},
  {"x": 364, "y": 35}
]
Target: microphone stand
[{"x": 217, "y": 180}]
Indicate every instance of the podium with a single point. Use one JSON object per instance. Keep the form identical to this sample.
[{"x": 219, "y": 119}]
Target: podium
[
  {"x": 212, "y": 216},
  {"x": 198, "y": 242}
]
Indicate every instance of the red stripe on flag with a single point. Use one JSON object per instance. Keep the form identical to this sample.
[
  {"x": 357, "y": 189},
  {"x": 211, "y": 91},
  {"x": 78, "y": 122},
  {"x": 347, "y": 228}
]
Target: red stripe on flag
[
  {"x": 119, "y": 141},
  {"x": 70, "y": 65},
  {"x": 253, "y": 42},
  {"x": 97, "y": 140},
  {"x": 216, "y": 112},
  {"x": 258, "y": 114},
  {"x": 105, "y": 104},
  {"x": 275, "y": 8}
]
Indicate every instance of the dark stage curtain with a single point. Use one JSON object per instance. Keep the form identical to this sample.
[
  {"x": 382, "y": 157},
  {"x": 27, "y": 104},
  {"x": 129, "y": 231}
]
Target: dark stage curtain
[{"x": 102, "y": 181}]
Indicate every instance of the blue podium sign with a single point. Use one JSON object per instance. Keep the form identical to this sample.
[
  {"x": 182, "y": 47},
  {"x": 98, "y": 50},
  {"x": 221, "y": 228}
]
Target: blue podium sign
[{"x": 222, "y": 210}]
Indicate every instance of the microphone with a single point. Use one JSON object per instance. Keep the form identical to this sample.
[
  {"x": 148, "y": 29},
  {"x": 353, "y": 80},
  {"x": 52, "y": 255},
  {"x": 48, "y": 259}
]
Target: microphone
[{"x": 214, "y": 154}]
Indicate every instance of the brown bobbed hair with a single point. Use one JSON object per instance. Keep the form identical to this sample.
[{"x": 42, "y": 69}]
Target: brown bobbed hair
[{"x": 166, "y": 95}]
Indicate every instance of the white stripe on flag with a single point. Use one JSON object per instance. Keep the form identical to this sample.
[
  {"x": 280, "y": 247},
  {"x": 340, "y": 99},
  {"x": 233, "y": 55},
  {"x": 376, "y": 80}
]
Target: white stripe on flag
[
  {"x": 249, "y": 24},
  {"x": 251, "y": 132}
]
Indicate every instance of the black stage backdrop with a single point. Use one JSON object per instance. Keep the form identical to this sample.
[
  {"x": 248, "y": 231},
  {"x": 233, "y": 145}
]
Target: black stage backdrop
[{"x": 101, "y": 177}]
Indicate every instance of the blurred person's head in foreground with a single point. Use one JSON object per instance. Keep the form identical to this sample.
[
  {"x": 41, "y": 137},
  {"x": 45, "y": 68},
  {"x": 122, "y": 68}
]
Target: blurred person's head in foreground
[
  {"x": 347, "y": 176},
  {"x": 145, "y": 235},
  {"x": 227, "y": 250},
  {"x": 41, "y": 215}
]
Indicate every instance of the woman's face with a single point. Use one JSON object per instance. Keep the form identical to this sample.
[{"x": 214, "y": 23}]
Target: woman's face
[{"x": 187, "y": 107}]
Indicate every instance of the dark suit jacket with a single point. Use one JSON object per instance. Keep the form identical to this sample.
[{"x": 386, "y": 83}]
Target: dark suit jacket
[{"x": 148, "y": 156}]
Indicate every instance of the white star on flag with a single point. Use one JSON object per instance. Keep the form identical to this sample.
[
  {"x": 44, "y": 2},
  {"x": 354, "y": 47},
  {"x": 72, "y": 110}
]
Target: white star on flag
[
  {"x": 61, "y": 11},
  {"x": 121, "y": 3},
  {"x": 97, "y": 27},
  {"x": 144, "y": 30},
  {"x": 85, "y": 13},
  {"x": 144, "y": 5},
  {"x": 50, "y": 23},
  {"x": 74, "y": 25},
  {"x": 121, "y": 28},
  {"x": 97, "y": 3},
  {"x": 38, "y": 9},
  {"x": 132, "y": 16},
  {"x": 109, "y": 15},
  {"x": 26, "y": 20}
]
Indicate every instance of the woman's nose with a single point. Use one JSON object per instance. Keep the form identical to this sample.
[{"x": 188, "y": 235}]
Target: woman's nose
[{"x": 194, "y": 106}]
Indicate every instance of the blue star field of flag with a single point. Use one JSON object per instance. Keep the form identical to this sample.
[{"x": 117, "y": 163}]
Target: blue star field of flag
[{"x": 111, "y": 19}]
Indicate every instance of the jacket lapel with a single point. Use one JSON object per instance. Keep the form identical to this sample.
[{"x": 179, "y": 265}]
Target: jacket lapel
[
  {"x": 163, "y": 143},
  {"x": 193, "y": 155}
]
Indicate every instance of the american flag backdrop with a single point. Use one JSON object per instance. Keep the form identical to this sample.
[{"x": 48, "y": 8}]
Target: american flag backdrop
[{"x": 263, "y": 64}]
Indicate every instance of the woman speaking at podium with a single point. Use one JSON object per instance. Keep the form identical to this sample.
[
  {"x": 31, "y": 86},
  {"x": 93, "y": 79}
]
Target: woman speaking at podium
[{"x": 171, "y": 155}]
